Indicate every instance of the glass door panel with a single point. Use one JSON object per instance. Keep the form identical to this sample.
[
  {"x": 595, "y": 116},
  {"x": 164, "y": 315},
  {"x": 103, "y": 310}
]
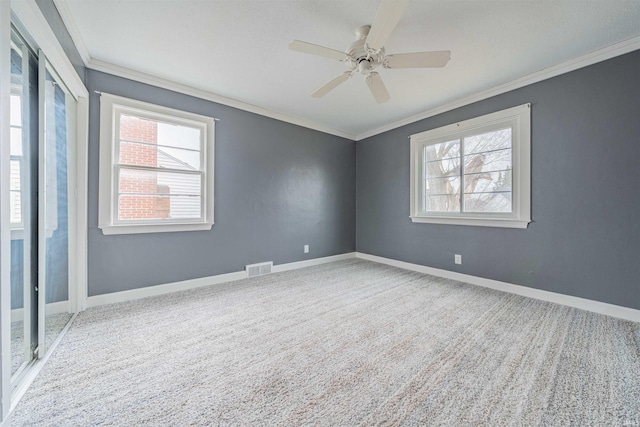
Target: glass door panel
[
  {"x": 59, "y": 109},
  {"x": 23, "y": 204}
]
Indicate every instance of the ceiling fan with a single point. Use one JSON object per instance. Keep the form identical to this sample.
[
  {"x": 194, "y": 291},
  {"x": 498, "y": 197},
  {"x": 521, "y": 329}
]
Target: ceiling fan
[{"x": 367, "y": 53}]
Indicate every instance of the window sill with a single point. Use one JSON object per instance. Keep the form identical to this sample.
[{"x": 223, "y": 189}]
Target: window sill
[
  {"x": 154, "y": 228},
  {"x": 475, "y": 222}
]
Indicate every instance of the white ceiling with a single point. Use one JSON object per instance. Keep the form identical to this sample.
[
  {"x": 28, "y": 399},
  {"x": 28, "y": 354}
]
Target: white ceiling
[{"x": 239, "y": 48}]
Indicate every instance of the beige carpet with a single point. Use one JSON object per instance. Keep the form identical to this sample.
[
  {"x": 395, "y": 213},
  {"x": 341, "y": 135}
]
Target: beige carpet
[{"x": 348, "y": 343}]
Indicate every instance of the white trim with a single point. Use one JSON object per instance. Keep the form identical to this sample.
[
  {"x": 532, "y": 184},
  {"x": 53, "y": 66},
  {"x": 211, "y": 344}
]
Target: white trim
[
  {"x": 81, "y": 194},
  {"x": 109, "y": 230},
  {"x": 599, "y": 55},
  {"x": 167, "y": 288},
  {"x": 17, "y": 314},
  {"x": 612, "y": 310},
  {"x": 42, "y": 205},
  {"x": 72, "y": 28},
  {"x": 31, "y": 18},
  {"x": 149, "y": 291},
  {"x": 127, "y": 73},
  {"x": 473, "y": 222},
  {"x": 311, "y": 262}
]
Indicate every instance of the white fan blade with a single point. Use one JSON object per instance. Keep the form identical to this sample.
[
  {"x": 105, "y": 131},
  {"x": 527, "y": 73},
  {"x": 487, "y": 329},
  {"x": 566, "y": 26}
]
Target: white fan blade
[
  {"x": 435, "y": 59},
  {"x": 315, "y": 49},
  {"x": 387, "y": 18},
  {"x": 332, "y": 84},
  {"x": 377, "y": 88}
]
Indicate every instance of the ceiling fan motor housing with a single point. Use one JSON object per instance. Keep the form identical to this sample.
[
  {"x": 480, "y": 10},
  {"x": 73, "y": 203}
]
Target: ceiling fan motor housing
[{"x": 361, "y": 60}]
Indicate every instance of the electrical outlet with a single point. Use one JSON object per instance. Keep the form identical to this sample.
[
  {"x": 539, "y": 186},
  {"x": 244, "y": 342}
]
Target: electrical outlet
[
  {"x": 306, "y": 249},
  {"x": 457, "y": 259}
]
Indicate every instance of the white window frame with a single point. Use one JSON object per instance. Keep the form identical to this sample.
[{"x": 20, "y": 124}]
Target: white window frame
[
  {"x": 111, "y": 108},
  {"x": 519, "y": 119}
]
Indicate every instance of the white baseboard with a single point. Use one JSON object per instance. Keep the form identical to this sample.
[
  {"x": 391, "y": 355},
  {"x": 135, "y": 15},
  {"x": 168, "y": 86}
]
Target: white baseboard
[
  {"x": 612, "y": 310},
  {"x": 17, "y": 314},
  {"x": 311, "y": 262},
  {"x": 149, "y": 291},
  {"x": 167, "y": 288}
]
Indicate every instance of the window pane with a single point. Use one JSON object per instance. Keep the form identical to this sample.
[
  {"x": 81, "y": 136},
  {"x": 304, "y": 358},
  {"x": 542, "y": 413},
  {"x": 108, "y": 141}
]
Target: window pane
[
  {"x": 137, "y": 129},
  {"x": 499, "y": 202},
  {"x": 442, "y": 176},
  {"x": 484, "y": 182},
  {"x": 442, "y": 194},
  {"x": 159, "y": 206},
  {"x": 488, "y": 141},
  {"x": 137, "y": 154},
  {"x": 16, "y": 141},
  {"x": 444, "y": 203},
  {"x": 178, "y": 136},
  {"x": 488, "y": 161},
  {"x": 177, "y": 158},
  {"x": 449, "y": 150},
  {"x": 159, "y": 195},
  {"x": 487, "y": 172},
  {"x": 152, "y": 182},
  {"x": 15, "y": 111}
]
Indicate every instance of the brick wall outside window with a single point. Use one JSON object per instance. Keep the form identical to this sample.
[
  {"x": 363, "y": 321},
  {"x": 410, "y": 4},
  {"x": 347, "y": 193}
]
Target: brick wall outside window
[{"x": 142, "y": 206}]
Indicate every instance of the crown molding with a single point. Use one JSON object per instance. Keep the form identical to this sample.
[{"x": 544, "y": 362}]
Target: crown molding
[
  {"x": 117, "y": 70},
  {"x": 599, "y": 55},
  {"x": 72, "y": 28}
]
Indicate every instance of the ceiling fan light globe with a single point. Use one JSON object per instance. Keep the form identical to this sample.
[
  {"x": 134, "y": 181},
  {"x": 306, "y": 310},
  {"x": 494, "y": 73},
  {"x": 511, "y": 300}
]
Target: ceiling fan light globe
[{"x": 364, "y": 67}]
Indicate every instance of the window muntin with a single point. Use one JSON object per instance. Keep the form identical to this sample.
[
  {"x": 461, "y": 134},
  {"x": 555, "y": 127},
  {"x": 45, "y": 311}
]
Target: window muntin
[
  {"x": 160, "y": 168},
  {"x": 474, "y": 172}
]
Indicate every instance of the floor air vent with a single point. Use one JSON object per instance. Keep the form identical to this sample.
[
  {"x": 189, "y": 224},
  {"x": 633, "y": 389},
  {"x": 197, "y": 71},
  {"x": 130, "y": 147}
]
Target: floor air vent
[{"x": 259, "y": 269}]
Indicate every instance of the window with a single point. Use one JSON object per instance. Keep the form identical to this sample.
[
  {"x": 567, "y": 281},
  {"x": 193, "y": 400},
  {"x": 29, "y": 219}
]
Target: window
[
  {"x": 476, "y": 172},
  {"x": 156, "y": 168}
]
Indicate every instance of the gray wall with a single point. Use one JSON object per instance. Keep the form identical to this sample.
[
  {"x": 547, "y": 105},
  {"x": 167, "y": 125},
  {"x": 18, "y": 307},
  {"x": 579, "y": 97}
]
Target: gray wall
[
  {"x": 585, "y": 236},
  {"x": 277, "y": 187}
]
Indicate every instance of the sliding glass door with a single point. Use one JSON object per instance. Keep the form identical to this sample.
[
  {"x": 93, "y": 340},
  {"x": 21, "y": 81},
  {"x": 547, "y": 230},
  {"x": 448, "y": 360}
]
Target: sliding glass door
[
  {"x": 42, "y": 115},
  {"x": 23, "y": 204}
]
